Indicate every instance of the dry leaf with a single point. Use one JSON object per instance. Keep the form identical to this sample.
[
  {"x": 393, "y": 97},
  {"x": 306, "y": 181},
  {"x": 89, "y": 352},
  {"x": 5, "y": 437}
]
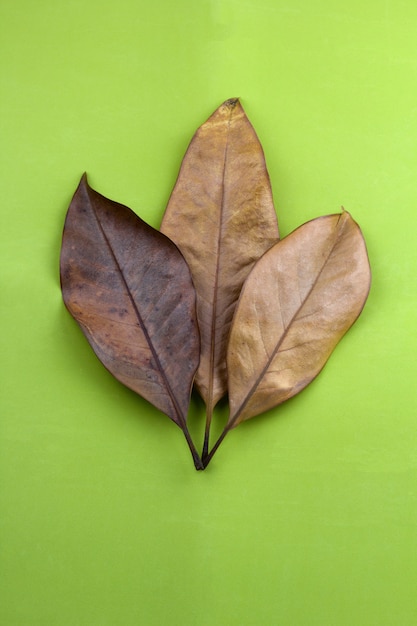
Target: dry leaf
[
  {"x": 300, "y": 299},
  {"x": 221, "y": 216},
  {"x": 130, "y": 290}
]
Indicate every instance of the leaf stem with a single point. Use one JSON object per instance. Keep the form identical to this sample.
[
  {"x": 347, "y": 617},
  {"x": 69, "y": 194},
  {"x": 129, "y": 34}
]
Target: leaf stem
[
  {"x": 209, "y": 416},
  {"x": 207, "y": 457},
  {"x": 198, "y": 463}
]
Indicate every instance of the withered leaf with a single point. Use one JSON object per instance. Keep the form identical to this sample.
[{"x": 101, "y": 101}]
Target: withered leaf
[
  {"x": 130, "y": 289},
  {"x": 221, "y": 216},
  {"x": 297, "y": 303}
]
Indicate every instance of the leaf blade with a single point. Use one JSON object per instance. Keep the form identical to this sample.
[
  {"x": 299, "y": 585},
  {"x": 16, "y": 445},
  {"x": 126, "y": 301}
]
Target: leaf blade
[
  {"x": 222, "y": 200},
  {"x": 316, "y": 282},
  {"x": 123, "y": 281}
]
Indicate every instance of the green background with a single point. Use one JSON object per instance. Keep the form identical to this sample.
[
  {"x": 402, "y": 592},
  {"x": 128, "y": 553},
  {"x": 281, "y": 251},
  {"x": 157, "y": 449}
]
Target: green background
[{"x": 308, "y": 515}]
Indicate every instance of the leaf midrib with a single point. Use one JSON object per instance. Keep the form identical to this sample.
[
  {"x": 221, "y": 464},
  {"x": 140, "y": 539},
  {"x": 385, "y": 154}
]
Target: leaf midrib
[{"x": 213, "y": 334}]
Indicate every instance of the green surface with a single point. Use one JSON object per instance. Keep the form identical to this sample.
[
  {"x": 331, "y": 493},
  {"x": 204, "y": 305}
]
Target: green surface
[{"x": 307, "y": 516}]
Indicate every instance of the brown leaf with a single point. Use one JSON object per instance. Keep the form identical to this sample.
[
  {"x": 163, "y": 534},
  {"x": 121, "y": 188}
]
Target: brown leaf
[
  {"x": 221, "y": 216},
  {"x": 130, "y": 290},
  {"x": 298, "y": 302}
]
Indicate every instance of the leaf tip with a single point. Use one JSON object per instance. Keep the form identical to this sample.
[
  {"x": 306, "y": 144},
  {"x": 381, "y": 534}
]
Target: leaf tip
[
  {"x": 344, "y": 212},
  {"x": 231, "y": 102}
]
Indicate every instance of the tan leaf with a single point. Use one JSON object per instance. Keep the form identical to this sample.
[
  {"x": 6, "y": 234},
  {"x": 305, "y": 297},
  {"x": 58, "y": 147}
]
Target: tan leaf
[
  {"x": 297, "y": 303},
  {"x": 221, "y": 216}
]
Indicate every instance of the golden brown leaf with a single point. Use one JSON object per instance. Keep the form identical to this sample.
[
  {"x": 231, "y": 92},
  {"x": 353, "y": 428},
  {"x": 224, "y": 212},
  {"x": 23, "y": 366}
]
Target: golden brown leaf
[
  {"x": 221, "y": 216},
  {"x": 297, "y": 303}
]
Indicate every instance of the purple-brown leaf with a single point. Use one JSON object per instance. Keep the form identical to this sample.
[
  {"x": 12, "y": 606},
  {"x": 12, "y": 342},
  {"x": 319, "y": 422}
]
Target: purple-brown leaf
[{"x": 130, "y": 290}]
